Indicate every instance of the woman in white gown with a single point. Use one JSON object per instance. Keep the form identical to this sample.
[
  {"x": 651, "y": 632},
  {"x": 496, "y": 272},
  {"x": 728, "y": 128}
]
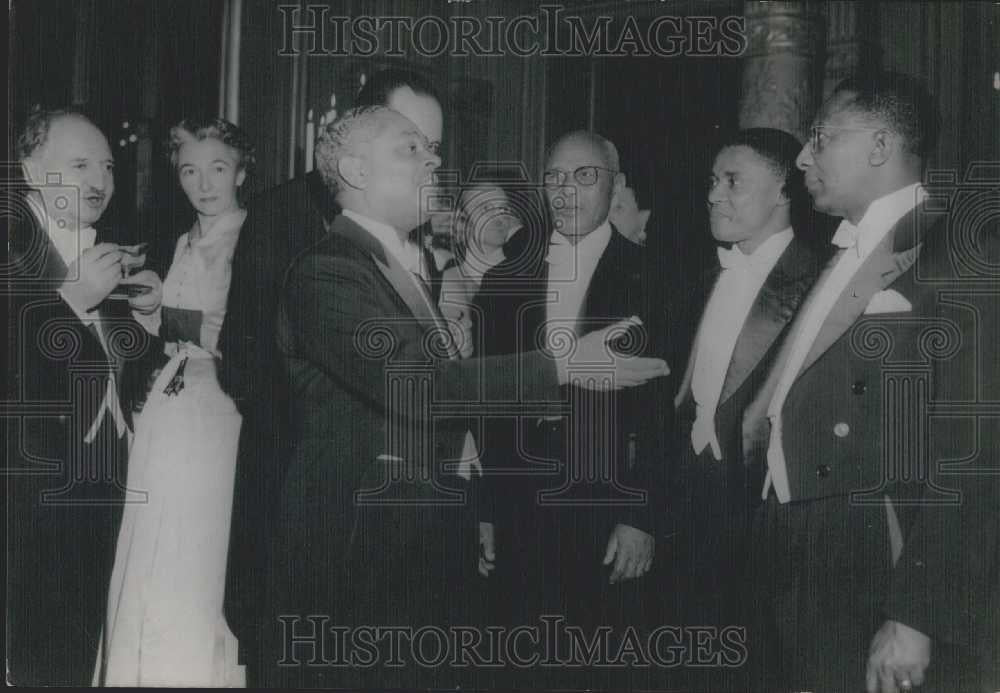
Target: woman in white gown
[{"x": 165, "y": 623}]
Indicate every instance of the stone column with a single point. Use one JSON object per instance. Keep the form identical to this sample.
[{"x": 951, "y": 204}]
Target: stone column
[
  {"x": 780, "y": 86},
  {"x": 851, "y": 40}
]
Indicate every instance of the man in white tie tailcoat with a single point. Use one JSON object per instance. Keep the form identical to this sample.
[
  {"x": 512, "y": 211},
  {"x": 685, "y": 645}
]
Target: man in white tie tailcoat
[
  {"x": 764, "y": 272},
  {"x": 875, "y": 544}
]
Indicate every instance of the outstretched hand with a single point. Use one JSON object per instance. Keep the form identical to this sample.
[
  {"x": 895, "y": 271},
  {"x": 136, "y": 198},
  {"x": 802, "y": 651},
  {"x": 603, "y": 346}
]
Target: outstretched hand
[{"x": 599, "y": 367}]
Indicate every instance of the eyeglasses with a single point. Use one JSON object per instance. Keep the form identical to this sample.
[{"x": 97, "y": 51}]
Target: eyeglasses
[
  {"x": 818, "y": 139},
  {"x": 585, "y": 175}
]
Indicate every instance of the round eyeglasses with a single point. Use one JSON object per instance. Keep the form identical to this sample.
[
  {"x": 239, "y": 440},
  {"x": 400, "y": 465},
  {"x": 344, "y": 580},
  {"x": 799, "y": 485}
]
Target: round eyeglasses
[
  {"x": 585, "y": 175},
  {"x": 818, "y": 138}
]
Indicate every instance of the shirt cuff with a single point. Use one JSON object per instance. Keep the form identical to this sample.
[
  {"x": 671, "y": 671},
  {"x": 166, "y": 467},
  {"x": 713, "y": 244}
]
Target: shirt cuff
[{"x": 87, "y": 317}]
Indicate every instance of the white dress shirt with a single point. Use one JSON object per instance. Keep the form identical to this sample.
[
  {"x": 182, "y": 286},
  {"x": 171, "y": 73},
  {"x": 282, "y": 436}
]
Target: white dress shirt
[
  {"x": 403, "y": 249},
  {"x": 571, "y": 267},
  {"x": 70, "y": 244},
  {"x": 411, "y": 258},
  {"x": 728, "y": 307},
  {"x": 857, "y": 243}
]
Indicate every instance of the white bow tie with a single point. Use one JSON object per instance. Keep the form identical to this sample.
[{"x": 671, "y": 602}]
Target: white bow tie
[
  {"x": 412, "y": 258},
  {"x": 847, "y": 236},
  {"x": 735, "y": 259},
  {"x": 561, "y": 251},
  {"x": 732, "y": 258}
]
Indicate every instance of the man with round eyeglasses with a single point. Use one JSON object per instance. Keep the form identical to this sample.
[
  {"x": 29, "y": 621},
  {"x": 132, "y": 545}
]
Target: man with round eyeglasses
[
  {"x": 571, "y": 522},
  {"x": 874, "y": 563}
]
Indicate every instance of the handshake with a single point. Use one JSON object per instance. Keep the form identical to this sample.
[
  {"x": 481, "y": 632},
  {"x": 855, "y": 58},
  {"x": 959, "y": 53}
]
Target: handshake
[{"x": 99, "y": 270}]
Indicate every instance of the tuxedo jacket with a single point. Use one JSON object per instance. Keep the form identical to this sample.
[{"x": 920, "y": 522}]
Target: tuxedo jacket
[
  {"x": 64, "y": 495},
  {"x": 618, "y": 431},
  {"x": 280, "y": 223},
  {"x": 370, "y": 520},
  {"x": 756, "y": 346},
  {"x": 895, "y": 403}
]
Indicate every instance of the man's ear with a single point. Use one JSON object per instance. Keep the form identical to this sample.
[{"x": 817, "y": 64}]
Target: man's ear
[
  {"x": 353, "y": 171},
  {"x": 617, "y": 186},
  {"x": 885, "y": 146},
  {"x": 783, "y": 198},
  {"x": 620, "y": 182},
  {"x": 32, "y": 171}
]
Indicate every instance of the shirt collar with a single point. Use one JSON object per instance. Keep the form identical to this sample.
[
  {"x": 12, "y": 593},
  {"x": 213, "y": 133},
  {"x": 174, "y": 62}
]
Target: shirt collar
[
  {"x": 879, "y": 218},
  {"x": 592, "y": 245},
  {"x": 406, "y": 252},
  {"x": 228, "y": 223},
  {"x": 763, "y": 257}
]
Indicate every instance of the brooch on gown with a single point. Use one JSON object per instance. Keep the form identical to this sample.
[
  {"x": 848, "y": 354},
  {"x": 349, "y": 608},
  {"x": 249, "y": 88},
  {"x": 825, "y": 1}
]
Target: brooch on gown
[{"x": 176, "y": 383}]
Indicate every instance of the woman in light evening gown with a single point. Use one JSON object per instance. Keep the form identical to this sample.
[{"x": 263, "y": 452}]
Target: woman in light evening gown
[{"x": 165, "y": 622}]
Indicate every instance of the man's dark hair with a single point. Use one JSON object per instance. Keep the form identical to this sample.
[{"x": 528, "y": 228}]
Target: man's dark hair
[
  {"x": 34, "y": 131},
  {"x": 779, "y": 150},
  {"x": 900, "y": 101},
  {"x": 381, "y": 84}
]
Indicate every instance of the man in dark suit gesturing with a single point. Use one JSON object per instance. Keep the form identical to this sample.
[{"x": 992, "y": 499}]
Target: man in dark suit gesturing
[
  {"x": 66, "y": 441},
  {"x": 873, "y": 558},
  {"x": 367, "y": 524},
  {"x": 281, "y": 223}
]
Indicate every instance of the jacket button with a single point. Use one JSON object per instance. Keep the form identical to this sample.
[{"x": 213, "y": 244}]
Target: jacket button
[
  {"x": 859, "y": 387},
  {"x": 823, "y": 471},
  {"x": 841, "y": 430}
]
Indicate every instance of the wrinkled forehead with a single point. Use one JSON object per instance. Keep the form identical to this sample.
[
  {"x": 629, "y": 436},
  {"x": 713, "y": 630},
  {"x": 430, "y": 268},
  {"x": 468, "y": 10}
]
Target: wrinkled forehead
[
  {"x": 422, "y": 110},
  {"x": 71, "y": 137},
  {"x": 573, "y": 153},
  {"x": 840, "y": 110},
  {"x": 744, "y": 161},
  {"x": 206, "y": 149},
  {"x": 385, "y": 127}
]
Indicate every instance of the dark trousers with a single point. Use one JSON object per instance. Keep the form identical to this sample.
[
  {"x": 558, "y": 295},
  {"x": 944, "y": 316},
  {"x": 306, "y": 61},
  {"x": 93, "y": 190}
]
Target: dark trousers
[
  {"x": 63, "y": 531},
  {"x": 550, "y": 543},
  {"x": 819, "y": 573}
]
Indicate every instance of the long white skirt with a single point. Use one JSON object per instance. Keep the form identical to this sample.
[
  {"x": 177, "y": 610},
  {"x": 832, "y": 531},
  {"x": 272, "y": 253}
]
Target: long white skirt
[{"x": 165, "y": 623}]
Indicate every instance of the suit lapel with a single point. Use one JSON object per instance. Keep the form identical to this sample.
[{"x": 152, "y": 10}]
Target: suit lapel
[
  {"x": 881, "y": 268},
  {"x": 773, "y": 308},
  {"x": 605, "y": 284},
  {"x": 684, "y": 392},
  {"x": 529, "y": 306},
  {"x": 398, "y": 277},
  {"x": 31, "y": 247},
  {"x": 30, "y": 240}
]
